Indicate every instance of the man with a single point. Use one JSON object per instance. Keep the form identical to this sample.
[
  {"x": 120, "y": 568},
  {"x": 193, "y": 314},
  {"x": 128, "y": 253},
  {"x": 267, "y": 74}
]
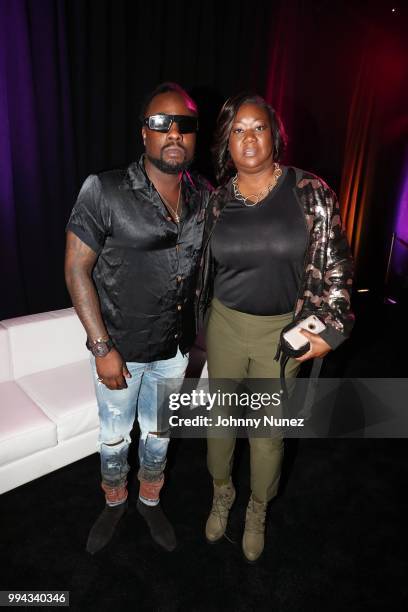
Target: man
[{"x": 133, "y": 242}]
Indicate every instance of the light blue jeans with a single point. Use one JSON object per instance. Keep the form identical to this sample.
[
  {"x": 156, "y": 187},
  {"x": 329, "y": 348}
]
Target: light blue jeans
[{"x": 117, "y": 412}]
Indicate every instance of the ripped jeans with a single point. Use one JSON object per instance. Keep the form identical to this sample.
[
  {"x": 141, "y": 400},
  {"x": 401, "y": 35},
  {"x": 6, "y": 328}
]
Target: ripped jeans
[{"x": 117, "y": 412}]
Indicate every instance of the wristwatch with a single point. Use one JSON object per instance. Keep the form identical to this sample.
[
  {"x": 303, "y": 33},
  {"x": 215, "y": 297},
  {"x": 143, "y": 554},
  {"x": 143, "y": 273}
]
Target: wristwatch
[{"x": 99, "y": 347}]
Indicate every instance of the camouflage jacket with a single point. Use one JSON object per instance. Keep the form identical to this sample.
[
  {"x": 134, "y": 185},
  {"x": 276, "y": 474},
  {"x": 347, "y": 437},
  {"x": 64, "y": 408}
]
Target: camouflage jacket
[{"x": 325, "y": 288}]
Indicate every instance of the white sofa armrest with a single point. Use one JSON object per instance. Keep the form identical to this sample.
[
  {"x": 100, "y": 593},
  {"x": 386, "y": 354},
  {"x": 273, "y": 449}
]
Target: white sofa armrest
[{"x": 44, "y": 341}]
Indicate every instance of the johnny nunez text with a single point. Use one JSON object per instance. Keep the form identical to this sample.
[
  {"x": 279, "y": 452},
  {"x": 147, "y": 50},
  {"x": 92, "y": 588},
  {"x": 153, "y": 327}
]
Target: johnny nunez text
[{"x": 230, "y": 421}]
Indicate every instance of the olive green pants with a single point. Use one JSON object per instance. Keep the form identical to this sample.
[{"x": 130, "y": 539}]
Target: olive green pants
[{"x": 242, "y": 346}]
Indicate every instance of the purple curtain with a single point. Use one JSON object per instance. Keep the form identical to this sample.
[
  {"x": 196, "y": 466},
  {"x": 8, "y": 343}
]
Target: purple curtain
[{"x": 36, "y": 154}]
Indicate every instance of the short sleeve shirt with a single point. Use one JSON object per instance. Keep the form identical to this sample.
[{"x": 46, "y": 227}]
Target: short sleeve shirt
[{"x": 146, "y": 270}]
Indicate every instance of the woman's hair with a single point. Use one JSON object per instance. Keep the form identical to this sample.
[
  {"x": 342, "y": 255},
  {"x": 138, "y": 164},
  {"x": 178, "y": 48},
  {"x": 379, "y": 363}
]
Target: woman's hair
[{"x": 224, "y": 166}]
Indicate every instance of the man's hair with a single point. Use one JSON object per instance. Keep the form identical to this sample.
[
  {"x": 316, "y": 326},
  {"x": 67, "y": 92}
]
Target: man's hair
[
  {"x": 224, "y": 166},
  {"x": 164, "y": 88}
]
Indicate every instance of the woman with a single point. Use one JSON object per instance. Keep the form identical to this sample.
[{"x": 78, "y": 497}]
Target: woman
[{"x": 273, "y": 250}]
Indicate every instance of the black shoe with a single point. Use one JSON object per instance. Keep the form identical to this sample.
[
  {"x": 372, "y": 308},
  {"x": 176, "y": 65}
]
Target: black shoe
[
  {"x": 160, "y": 528},
  {"x": 104, "y": 527}
]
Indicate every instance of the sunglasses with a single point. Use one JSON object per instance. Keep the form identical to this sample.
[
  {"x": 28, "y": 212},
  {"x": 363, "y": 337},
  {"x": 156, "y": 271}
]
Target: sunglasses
[{"x": 163, "y": 123}]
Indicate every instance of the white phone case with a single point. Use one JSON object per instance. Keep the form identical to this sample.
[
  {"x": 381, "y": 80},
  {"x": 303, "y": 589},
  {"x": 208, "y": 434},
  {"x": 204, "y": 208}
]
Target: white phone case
[{"x": 297, "y": 340}]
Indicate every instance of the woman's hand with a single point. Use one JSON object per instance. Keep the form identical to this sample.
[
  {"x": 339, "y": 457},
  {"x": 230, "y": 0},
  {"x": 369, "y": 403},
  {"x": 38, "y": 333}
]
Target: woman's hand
[{"x": 318, "y": 346}]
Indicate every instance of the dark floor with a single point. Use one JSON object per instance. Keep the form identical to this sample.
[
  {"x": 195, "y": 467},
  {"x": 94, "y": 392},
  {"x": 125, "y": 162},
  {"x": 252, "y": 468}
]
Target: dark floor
[{"x": 335, "y": 534}]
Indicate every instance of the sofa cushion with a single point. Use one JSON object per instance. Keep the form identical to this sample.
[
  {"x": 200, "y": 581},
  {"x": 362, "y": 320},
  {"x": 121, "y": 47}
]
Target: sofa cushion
[
  {"x": 5, "y": 360},
  {"x": 66, "y": 395},
  {"x": 45, "y": 340},
  {"x": 24, "y": 428}
]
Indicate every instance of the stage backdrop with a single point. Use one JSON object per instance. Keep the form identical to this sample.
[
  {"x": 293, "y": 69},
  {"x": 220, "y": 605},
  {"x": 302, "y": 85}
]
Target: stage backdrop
[{"x": 73, "y": 75}]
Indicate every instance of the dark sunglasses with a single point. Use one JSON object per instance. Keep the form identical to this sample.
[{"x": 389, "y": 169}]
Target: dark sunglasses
[{"x": 163, "y": 123}]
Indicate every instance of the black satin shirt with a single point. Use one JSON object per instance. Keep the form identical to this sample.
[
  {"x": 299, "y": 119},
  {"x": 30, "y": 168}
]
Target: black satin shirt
[{"x": 145, "y": 274}]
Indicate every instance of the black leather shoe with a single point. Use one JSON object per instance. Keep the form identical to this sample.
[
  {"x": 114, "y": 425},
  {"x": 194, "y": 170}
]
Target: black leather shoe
[
  {"x": 160, "y": 527},
  {"x": 104, "y": 527}
]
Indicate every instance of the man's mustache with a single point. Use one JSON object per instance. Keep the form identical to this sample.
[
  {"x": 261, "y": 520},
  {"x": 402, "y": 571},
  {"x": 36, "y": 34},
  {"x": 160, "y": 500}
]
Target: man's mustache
[{"x": 174, "y": 146}]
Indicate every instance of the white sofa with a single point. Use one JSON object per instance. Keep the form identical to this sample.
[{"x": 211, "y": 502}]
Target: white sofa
[{"x": 48, "y": 410}]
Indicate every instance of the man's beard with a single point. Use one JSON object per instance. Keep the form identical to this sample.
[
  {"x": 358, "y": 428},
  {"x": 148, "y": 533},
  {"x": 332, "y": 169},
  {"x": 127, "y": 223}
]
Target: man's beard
[{"x": 167, "y": 167}]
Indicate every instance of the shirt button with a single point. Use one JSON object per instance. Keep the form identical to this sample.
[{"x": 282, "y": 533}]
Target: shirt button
[
  {"x": 178, "y": 306},
  {"x": 179, "y": 279}
]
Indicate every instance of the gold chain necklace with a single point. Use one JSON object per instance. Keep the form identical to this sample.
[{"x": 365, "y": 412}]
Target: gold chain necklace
[
  {"x": 174, "y": 212},
  {"x": 257, "y": 197}
]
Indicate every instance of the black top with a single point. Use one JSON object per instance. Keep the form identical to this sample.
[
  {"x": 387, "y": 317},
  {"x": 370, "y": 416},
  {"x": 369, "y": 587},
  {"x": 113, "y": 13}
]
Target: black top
[
  {"x": 145, "y": 274},
  {"x": 259, "y": 252}
]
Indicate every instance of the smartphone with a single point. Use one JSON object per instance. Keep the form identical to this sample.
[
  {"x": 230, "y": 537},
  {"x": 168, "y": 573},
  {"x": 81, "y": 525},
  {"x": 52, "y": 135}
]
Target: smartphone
[{"x": 297, "y": 340}]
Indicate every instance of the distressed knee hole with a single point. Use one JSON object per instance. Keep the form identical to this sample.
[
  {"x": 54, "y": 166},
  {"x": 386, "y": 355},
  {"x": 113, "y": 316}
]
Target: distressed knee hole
[
  {"x": 114, "y": 443},
  {"x": 158, "y": 434},
  {"x": 121, "y": 442}
]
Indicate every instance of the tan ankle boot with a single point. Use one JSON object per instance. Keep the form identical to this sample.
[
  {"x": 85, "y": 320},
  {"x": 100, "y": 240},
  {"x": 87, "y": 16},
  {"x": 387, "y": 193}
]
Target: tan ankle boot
[
  {"x": 223, "y": 499},
  {"x": 254, "y": 533}
]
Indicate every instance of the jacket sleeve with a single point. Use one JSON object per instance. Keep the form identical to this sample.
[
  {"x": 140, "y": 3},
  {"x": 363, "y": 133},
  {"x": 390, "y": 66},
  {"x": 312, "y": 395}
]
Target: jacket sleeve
[{"x": 338, "y": 278}]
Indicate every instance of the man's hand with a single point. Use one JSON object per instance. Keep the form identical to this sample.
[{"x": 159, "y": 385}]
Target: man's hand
[
  {"x": 112, "y": 370},
  {"x": 318, "y": 346}
]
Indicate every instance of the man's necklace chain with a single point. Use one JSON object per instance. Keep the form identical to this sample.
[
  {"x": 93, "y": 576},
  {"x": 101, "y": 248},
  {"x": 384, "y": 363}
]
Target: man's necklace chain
[{"x": 173, "y": 211}]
